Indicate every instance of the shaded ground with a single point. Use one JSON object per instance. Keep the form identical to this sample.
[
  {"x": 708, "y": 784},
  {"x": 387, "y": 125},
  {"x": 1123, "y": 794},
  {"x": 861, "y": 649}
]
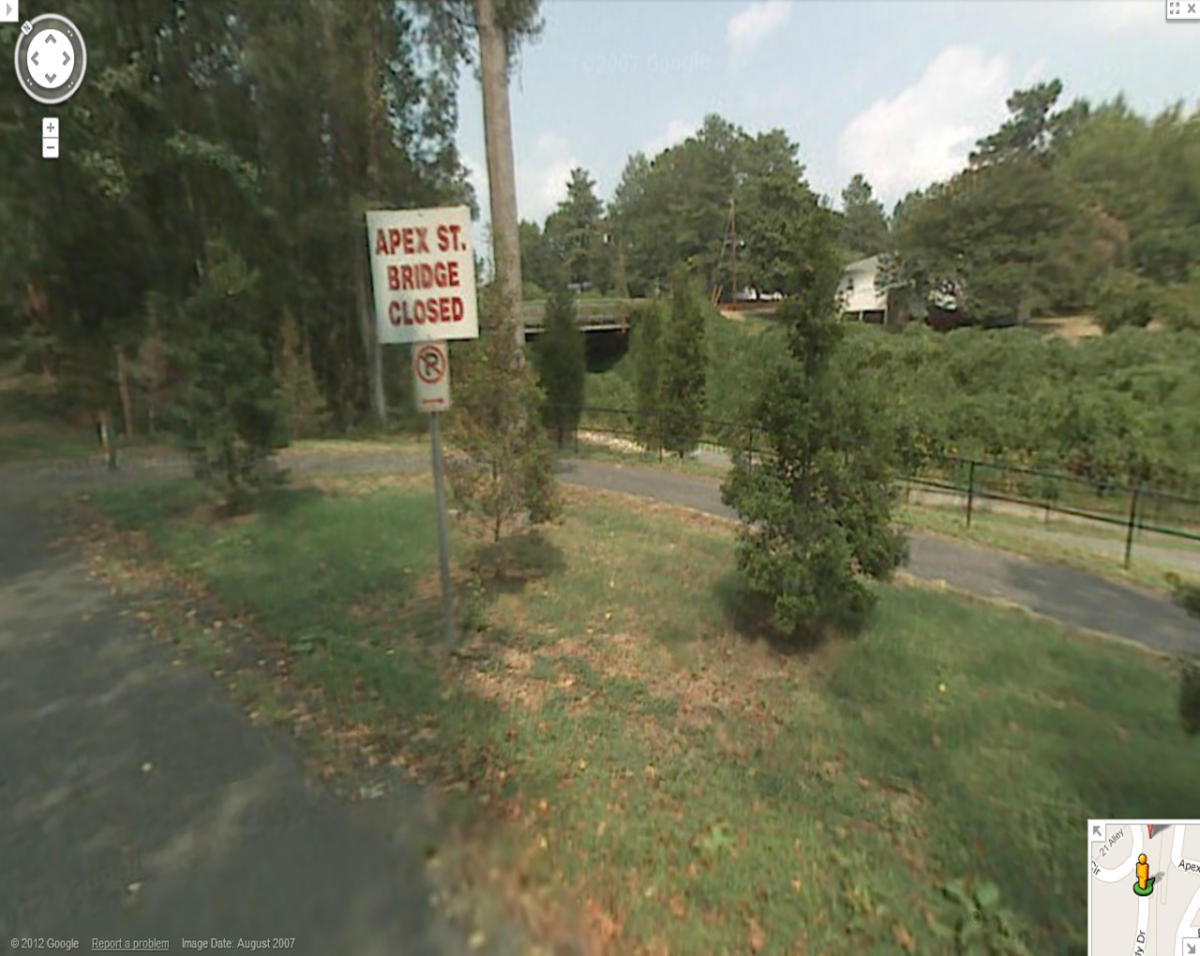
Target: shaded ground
[{"x": 137, "y": 801}]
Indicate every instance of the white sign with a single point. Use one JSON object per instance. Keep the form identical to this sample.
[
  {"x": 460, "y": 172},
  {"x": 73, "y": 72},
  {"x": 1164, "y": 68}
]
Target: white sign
[
  {"x": 431, "y": 376},
  {"x": 423, "y": 272}
]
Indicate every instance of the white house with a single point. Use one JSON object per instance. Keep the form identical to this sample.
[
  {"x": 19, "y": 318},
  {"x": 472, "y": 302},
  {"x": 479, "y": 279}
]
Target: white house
[{"x": 860, "y": 297}]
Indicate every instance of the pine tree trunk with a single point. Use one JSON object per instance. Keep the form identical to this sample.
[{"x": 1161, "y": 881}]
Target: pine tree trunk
[
  {"x": 372, "y": 92},
  {"x": 497, "y": 126},
  {"x": 123, "y": 388},
  {"x": 371, "y": 347}
]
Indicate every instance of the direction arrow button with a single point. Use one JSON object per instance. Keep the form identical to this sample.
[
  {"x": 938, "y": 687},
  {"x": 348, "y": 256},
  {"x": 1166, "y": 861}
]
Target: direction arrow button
[{"x": 8, "y": 11}]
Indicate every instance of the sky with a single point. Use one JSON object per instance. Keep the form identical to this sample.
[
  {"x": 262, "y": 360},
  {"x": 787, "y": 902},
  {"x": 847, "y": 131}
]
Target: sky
[{"x": 898, "y": 90}]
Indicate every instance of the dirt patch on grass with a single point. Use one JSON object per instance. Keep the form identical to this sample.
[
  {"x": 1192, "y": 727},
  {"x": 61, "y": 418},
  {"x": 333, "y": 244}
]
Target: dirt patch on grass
[
  {"x": 1071, "y": 327},
  {"x": 361, "y": 486},
  {"x": 506, "y": 678},
  {"x": 709, "y": 524}
]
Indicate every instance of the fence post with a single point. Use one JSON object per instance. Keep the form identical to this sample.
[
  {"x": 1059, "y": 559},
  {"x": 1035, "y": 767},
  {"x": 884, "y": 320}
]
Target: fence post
[
  {"x": 1133, "y": 508},
  {"x": 970, "y": 491},
  {"x": 751, "y": 446},
  {"x": 662, "y": 436}
]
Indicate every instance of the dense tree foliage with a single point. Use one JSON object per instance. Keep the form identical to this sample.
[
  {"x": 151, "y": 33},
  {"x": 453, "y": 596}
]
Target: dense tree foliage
[
  {"x": 260, "y": 130},
  {"x": 1076, "y": 210},
  {"x": 1116, "y": 408},
  {"x": 560, "y": 353},
  {"x": 573, "y": 231},
  {"x": 816, "y": 510},
  {"x": 676, "y": 208},
  {"x": 647, "y": 357},
  {"x": 500, "y": 468},
  {"x": 864, "y": 228},
  {"x": 684, "y": 361}
]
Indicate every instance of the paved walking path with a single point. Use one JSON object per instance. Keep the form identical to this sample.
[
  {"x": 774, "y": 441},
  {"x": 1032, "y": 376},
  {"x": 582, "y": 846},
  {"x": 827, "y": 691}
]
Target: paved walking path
[
  {"x": 1065, "y": 594},
  {"x": 137, "y": 801}
]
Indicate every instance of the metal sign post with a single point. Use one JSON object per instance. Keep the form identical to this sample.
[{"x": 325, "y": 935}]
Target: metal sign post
[
  {"x": 439, "y": 495},
  {"x": 423, "y": 275},
  {"x": 431, "y": 388}
]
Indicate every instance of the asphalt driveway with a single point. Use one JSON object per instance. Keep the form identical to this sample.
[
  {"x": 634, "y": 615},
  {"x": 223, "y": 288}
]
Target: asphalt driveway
[{"x": 137, "y": 801}]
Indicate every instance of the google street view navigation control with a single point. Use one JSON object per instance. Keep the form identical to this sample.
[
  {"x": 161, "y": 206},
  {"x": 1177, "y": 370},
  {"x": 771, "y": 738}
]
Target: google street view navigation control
[
  {"x": 50, "y": 60},
  {"x": 1144, "y": 888}
]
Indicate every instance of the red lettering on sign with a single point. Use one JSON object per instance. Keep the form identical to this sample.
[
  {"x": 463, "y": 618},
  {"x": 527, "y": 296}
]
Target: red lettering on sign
[
  {"x": 439, "y": 275},
  {"x": 433, "y": 311},
  {"x": 414, "y": 240}
]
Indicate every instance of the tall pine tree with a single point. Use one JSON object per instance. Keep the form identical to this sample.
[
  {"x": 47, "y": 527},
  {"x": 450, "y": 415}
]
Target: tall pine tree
[
  {"x": 684, "y": 368},
  {"x": 816, "y": 509},
  {"x": 647, "y": 374},
  {"x": 561, "y": 359}
]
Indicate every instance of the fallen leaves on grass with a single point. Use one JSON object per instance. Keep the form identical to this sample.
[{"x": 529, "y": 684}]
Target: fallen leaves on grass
[
  {"x": 758, "y": 938},
  {"x": 904, "y": 939}
]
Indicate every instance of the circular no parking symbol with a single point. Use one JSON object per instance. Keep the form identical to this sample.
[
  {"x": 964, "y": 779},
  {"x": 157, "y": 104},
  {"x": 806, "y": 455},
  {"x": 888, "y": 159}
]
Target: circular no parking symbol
[{"x": 430, "y": 363}]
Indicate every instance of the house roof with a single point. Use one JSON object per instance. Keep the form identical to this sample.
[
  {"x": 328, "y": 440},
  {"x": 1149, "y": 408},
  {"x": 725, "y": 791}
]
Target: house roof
[{"x": 863, "y": 264}]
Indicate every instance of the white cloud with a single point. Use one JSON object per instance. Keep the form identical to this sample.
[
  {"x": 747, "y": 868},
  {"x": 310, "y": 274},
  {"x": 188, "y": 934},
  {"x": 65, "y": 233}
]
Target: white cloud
[
  {"x": 542, "y": 178},
  {"x": 767, "y": 105},
  {"x": 676, "y": 132},
  {"x": 926, "y": 132},
  {"x": 745, "y": 30},
  {"x": 1035, "y": 74},
  {"x": 1119, "y": 16}
]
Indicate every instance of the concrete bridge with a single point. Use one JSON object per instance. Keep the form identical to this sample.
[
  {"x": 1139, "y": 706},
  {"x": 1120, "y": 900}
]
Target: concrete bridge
[{"x": 593, "y": 315}]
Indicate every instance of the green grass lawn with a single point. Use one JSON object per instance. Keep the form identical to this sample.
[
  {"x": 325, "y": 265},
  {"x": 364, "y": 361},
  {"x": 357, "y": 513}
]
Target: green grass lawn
[
  {"x": 645, "y": 745},
  {"x": 29, "y": 445}
]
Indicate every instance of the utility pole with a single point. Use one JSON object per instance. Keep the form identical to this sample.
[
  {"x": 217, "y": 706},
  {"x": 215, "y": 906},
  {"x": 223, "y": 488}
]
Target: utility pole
[
  {"x": 733, "y": 229},
  {"x": 502, "y": 185}
]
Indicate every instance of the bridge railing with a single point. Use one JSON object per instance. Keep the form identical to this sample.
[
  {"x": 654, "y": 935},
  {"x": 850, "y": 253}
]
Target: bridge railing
[{"x": 589, "y": 312}]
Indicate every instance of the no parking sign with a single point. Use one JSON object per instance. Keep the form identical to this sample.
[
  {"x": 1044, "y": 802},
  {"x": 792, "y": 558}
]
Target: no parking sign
[{"x": 431, "y": 376}]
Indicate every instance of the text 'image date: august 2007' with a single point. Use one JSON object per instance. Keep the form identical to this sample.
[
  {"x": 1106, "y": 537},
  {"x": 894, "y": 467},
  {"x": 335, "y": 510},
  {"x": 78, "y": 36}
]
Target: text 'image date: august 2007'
[{"x": 123, "y": 945}]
